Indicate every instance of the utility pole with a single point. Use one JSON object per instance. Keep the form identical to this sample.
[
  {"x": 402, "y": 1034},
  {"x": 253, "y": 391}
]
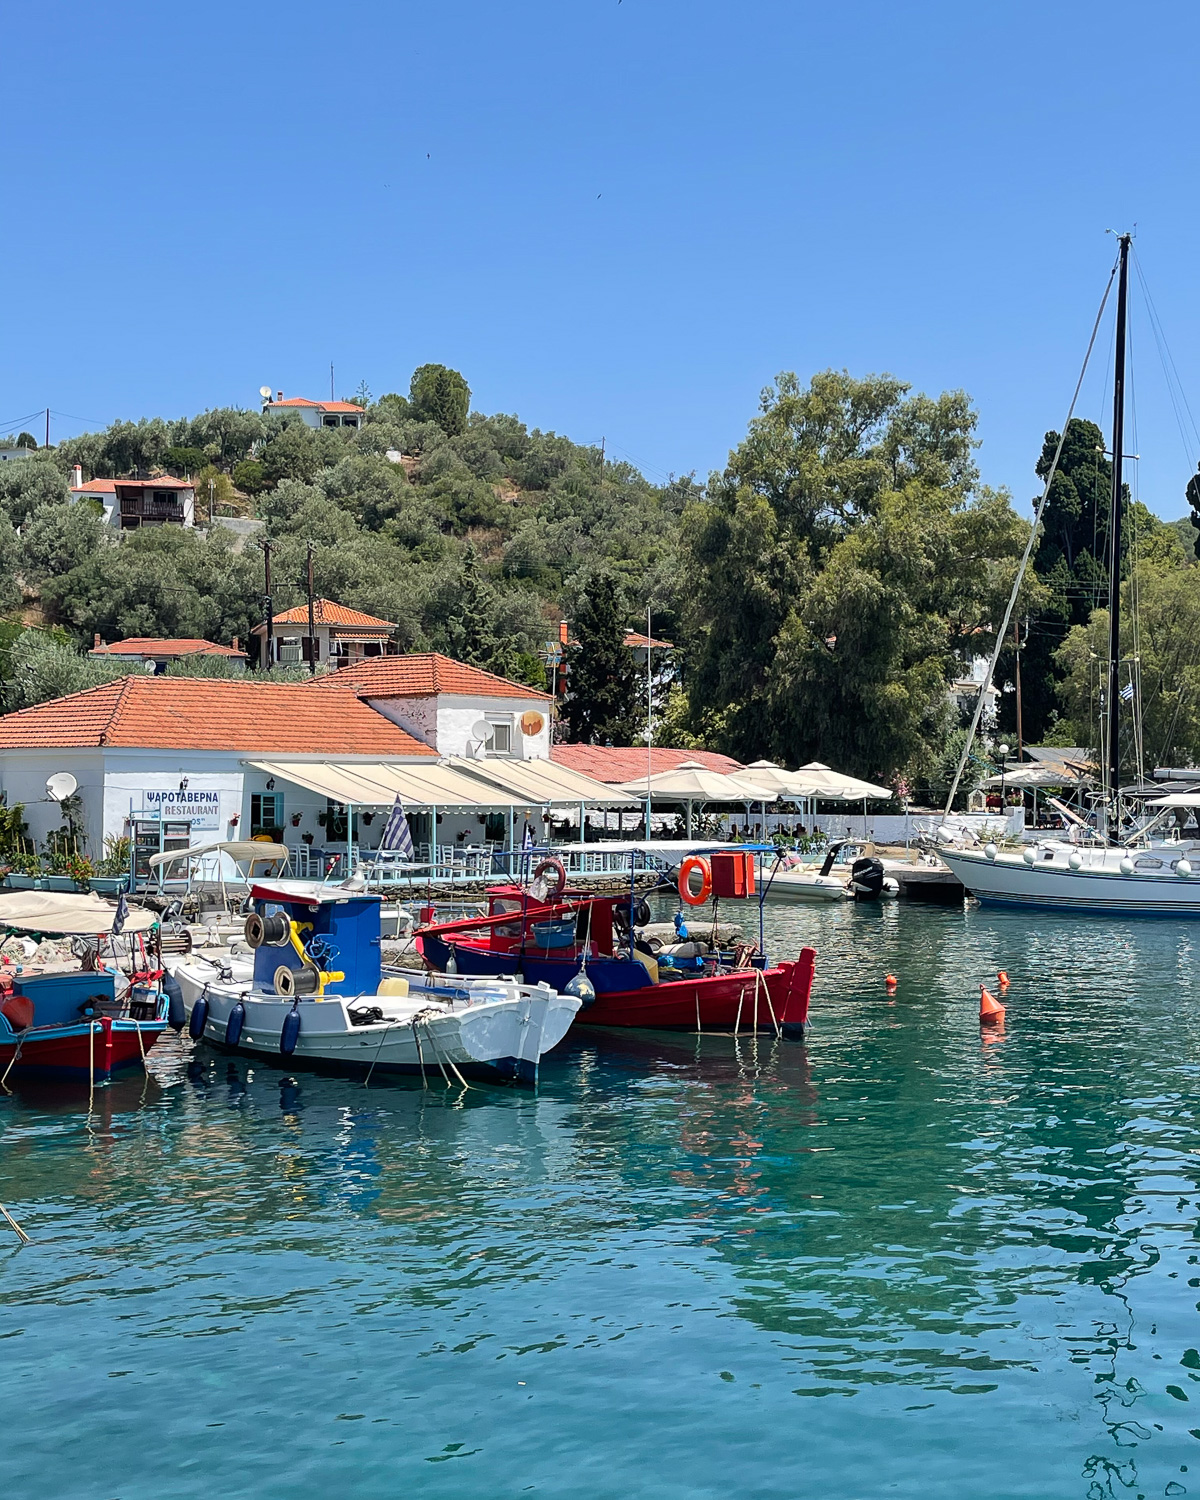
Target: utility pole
[
  {"x": 602, "y": 467},
  {"x": 268, "y": 608},
  {"x": 312, "y": 626},
  {"x": 331, "y": 395}
]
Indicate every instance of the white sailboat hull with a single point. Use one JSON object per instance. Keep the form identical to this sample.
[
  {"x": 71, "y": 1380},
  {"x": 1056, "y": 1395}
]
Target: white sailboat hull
[
  {"x": 1153, "y": 888},
  {"x": 501, "y": 1030}
]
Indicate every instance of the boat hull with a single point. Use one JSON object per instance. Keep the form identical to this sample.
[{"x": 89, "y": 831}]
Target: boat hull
[
  {"x": 502, "y": 1039},
  {"x": 625, "y": 995},
  {"x": 1099, "y": 885},
  {"x": 65, "y": 1051},
  {"x": 789, "y": 886}
]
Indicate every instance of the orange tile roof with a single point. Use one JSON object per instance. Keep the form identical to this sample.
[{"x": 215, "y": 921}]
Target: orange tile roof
[
  {"x": 197, "y": 713},
  {"x": 620, "y": 763},
  {"x": 138, "y": 645},
  {"x": 633, "y": 640},
  {"x": 424, "y": 676},
  {"x": 109, "y": 486},
  {"x": 319, "y": 405},
  {"x": 326, "y": 612}
]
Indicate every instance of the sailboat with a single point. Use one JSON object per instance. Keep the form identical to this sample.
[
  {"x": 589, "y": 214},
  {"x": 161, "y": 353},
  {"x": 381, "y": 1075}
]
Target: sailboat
[{"x": 1130, "y": 875}]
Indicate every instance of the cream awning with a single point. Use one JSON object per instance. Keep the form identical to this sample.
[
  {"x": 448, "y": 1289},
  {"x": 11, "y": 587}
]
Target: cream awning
[
  {"x": 378, "y": 783},
  {"x": 542, "y": 781}
]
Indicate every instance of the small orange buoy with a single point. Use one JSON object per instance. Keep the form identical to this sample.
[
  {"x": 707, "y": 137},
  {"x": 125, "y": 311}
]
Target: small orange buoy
[
  {"x": 890, "y": 982},
  {"x": 991, "y": 1012},
  {"x": 1002, "y": 978}
]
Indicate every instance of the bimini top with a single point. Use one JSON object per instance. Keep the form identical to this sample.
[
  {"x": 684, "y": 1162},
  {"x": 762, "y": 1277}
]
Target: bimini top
[
  {"x": 254, "y": 851},
  {"x": 311, "y": 892}
]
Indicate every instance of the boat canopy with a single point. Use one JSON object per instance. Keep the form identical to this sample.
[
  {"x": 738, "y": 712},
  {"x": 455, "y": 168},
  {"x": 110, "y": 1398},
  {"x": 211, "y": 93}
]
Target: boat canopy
[
  {"x": 379, "y": 783},
  {"x": 65, "y": 914},
  {"x": 543, "y": 781},
  {"x": 244, "y": 851},
  {"x": 1176, "y": 799}
]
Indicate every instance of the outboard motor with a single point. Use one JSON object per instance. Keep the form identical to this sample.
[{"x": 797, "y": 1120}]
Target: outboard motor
[{"x": 866, "y": 878}]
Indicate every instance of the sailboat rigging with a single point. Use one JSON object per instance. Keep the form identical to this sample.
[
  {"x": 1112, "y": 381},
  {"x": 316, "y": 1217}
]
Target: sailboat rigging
[{"x": 1130, "y": 876}]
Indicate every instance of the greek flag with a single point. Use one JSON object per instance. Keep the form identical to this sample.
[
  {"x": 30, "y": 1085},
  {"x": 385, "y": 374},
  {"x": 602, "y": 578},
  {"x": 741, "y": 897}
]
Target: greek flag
[
  {"x": 396, "y": 832},
  {"x": 527, "y": 837},
  {"x": 121, "y": 913},
  {"x": 1127, "y": 692}
]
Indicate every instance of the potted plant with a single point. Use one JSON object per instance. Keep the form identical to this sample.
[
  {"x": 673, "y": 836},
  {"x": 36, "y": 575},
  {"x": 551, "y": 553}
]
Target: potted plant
[
  {"x": 296, "y": 819},
  {"x": 307, "y": 837},
  {"x": 112, "y": 873}
]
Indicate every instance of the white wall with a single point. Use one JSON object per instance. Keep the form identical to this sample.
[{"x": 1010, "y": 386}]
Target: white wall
[
  {"x": 458, "y": 714},
  {"x": 23, "y": 776},
  {"x": 416, "y": 715}
]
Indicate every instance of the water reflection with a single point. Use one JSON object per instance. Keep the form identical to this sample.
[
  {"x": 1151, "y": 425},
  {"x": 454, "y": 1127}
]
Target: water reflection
[{"x": 896, "y": 1236}]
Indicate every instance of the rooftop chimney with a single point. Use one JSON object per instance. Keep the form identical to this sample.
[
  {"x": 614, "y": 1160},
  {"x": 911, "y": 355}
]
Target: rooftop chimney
[
  {"x": 77, "y": 477},
  {"x": 562, "y": 632},
  {"x": 236, "y": 647},
  {"x": 96, "y": 641},
  {"x": 279, "y": 396}
]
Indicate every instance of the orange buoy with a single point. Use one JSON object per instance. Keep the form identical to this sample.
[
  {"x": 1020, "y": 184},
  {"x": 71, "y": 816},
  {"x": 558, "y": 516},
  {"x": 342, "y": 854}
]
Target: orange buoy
[
  {"x": 890, "y": 982},
  {"x": 1002, "y": 978},
  {"x": 991, "y": 1012}
]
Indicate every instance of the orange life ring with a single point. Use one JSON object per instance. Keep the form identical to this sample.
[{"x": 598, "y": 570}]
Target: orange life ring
[
  {"x": 695, "y": 862},
  {"x": 559, "y": 869}
]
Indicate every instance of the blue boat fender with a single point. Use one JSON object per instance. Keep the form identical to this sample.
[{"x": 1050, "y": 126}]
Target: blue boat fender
[
  {"x": 581, "y": 988},
  {"x": 176, "y": 1013},
  {"x": 198, "y": 1019},
  {"x": 289, "y": 1034},
  {"x": 233, "y": 1027}
]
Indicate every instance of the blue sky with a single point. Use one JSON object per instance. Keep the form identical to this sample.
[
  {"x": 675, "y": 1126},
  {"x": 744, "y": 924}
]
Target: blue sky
[{"x": 617, "y": 219}]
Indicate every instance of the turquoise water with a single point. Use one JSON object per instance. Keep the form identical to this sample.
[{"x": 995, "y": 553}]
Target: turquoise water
[{"x": 898, "y": 1260}]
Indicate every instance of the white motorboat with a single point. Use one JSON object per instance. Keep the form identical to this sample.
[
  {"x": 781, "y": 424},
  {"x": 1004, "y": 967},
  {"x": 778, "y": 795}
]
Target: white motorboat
[
  {"x": 805, "y": 883},
  {"x": 863, "y": 881},
  {"x": 315, "y": 994},
  {"x": 1157, "y": 880}
]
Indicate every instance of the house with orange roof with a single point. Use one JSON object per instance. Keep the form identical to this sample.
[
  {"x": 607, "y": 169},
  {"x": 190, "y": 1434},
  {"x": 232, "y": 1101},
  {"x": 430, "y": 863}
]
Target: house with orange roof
[
  {"x": 171, "y": 761},
  {"x": 317, "y": 413},
  {"x": 454, "y": 708},
  {"x": 131, "y": 503},
  {"x": 157, "y": 655},
  {"x": 341, "y": 635}
]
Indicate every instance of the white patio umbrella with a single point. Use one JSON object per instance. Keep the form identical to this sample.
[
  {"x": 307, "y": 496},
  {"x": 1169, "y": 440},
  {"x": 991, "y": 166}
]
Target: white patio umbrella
[
  {"x": 835, "y": 787},
  {"x": 691, "y": 782},
  {"x": 786, "y": 783}
]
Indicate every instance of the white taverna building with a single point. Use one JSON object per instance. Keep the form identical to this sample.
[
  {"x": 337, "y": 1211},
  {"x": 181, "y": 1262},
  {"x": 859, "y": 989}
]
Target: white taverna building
[{"x": 173, "y": 762}]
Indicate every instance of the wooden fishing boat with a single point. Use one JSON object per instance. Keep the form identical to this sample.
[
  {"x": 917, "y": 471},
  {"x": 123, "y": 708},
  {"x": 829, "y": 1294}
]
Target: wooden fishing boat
[
  {"x": 84, "y": 1023},
  {"x": 581, "y": 944},
  {"x": 318, "y": 996}
]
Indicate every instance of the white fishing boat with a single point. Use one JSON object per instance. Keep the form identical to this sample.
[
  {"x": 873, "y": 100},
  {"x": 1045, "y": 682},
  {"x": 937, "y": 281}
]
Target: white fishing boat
[{"x": 315, "y": 994}]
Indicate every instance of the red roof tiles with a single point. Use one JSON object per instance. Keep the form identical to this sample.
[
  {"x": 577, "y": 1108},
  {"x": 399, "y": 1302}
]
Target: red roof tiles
[
  {"x": 138, "y": 645},
  {"x": 621, "y": 763},
  {"x": 109, "y": 486},
  {"x": 196, "y": 713},
  {"x": 326, "y": 612},
  {"x": 424, "y": 675},
  {"x": 318, "y": 405}
]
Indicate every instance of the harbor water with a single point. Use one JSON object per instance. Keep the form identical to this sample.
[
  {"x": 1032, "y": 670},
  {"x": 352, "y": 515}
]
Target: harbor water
[{"x": 902, "y": 1259}]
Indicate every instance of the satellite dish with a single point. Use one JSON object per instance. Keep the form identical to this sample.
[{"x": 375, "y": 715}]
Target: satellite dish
[
  {"x": 60, "y": 786},
  {"x": 265, "y": 392},
  {"x": 481, "y": 730}
]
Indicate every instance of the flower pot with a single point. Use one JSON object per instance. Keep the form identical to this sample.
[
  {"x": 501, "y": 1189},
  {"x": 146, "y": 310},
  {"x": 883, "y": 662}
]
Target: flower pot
[{"x": 108, "y": 885}]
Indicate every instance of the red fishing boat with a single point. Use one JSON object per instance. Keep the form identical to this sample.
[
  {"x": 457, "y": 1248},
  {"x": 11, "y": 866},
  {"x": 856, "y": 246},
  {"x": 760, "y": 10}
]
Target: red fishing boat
[{"x": 587, "y": 946}]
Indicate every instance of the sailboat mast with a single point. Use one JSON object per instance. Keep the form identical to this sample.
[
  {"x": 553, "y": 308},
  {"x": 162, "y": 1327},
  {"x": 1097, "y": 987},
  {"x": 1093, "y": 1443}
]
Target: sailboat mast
[{"x": 1114, "y": 529}]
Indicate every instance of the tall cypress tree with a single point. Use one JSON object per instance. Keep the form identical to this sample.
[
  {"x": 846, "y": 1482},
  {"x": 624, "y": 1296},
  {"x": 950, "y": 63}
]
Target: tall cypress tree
[
  {"x": 1070, "y": 562},
  {"x": 602, "y": 698}
]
